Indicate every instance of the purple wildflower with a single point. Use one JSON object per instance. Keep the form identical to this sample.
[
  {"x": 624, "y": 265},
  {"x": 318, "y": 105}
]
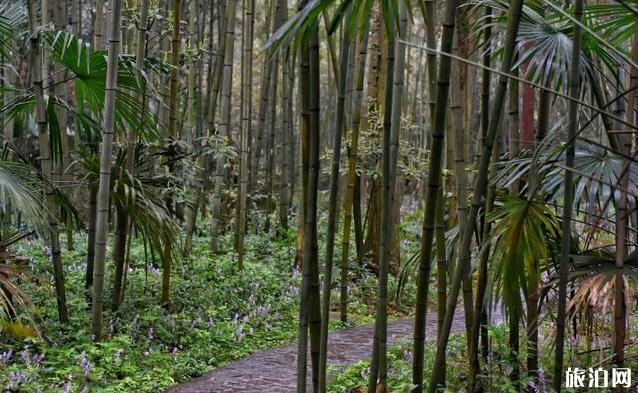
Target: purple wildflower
[
  {"x": 261, "y": 310},
  {"x": 6, "y": 356},
  {"x": 86, "y": 365},
  {"x": 25, "y": 356},
  {"x": 37, "y": 359},
  {"x": 17, "y": 379}
]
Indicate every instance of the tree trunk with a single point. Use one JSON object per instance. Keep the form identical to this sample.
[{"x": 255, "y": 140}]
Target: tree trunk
[
  {"x": 90, "y": 253},
  {"x": 98, "y": 25},
  {"x": 167, "y": 254},
  {"x": 45, "y": 160},
  {"x": 119, "y": 254},
  {"x": 286, "y": 143},
  {"x": 574, "y": 92},
  {"x": 395, "y": 75},
  {"x": 266, "y": 75},
  {"x": 352, "y": 175},
  {"x": 246, "y": 124},
  {"x": 225, "y": 109},
  {"x": 106, "y": 152},
  {"x": 433, "y": 191},
  {"x": 480, "y": 187},
  {"x": 622, "y": 222},
  {"x": 482, "y": 279},
  {"x": 309, "y": 311},
  {"x": 332, "y": 203}
]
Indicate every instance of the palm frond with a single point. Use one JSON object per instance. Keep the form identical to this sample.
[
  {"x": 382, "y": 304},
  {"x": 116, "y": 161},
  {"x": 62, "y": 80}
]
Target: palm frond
[{"x": 520, "y": 238}]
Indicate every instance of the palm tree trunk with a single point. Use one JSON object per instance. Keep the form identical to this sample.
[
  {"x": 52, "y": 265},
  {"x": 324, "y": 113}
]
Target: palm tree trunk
[
  {"x": 332, "y": 203},
  {"x": 45, "y": 160},
  {"x": 106, "y": 152},
  {"x": 480, "y": 187}
]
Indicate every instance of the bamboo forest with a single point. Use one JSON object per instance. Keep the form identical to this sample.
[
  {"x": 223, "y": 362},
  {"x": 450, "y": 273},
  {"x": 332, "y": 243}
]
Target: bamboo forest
[{"x": 321, "y": 196}]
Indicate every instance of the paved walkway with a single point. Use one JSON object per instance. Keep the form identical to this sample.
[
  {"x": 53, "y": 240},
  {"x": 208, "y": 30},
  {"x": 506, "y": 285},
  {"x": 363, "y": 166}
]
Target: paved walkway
[{"x": 274, "y": 370}]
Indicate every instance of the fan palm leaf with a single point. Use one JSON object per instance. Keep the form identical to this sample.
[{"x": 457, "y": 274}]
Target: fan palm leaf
[{"x": 522, "y": 231}]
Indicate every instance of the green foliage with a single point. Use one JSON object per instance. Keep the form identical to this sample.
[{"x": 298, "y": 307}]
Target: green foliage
[
  {"x": 521, "y": 237},
  {"x": 218, "y": 314}
]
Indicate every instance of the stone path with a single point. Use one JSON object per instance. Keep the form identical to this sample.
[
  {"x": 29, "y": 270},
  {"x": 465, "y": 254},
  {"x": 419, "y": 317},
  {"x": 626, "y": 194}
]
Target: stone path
[{"x": 274, "y": 370}]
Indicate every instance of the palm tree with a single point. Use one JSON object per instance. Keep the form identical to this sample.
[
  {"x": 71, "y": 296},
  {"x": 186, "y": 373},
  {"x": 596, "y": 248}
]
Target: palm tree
[{"x": 106, "y": 151}]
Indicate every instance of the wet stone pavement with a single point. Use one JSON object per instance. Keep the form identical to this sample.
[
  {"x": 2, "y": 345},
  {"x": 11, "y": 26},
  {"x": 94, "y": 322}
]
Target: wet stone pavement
[{"x": 274, "y": 370}]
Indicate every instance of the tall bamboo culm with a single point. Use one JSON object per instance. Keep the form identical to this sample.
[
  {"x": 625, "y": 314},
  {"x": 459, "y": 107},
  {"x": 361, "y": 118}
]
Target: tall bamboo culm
[
  {"x": 480, "y": 187},
  {"x": 106, "y": 152},
  {"x": 224, "y": 126},
  {"x": 570, "y": 154},
  {"x": 395, "y": 79},
  {"x": 357, "y": 107},
  {"x": 45, "y": 160}
]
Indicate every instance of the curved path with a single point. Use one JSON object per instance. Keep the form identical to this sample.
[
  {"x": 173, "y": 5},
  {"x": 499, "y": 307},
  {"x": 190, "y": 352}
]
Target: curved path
[{"x": 274, "y": 370}]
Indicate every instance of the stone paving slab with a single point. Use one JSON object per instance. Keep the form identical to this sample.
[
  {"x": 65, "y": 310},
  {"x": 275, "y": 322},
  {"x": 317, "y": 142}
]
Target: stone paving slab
[{"x": 274, "y": 370}]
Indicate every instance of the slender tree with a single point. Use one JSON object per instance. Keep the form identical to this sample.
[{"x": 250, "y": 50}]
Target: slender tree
[
  {"x": 433, "y": 192},
  {"x": 391, "y": 126},
  {"x": 167, "y": 253},
  {"x": 246, "y": 124},
  {"x": 98, "y": 25},
  {"x": 225, "y": 110},
  {"x": 106, "y": 152},
  {"x": 332, "y": 203},
  {"x": 309, "y": 311},
  {"x": 480, "y": 187},
  {"x": 352, "y": 172},
  {"x": 572, "y": 125},
  {"x": 45, "y": 160},
  {"x": 482, "y": 279},
  {"x": 622, "y": 220}
]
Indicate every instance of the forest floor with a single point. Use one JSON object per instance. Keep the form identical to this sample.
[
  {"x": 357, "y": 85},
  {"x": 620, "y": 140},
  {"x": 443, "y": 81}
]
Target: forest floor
[{"x": 274, "y": 370}]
